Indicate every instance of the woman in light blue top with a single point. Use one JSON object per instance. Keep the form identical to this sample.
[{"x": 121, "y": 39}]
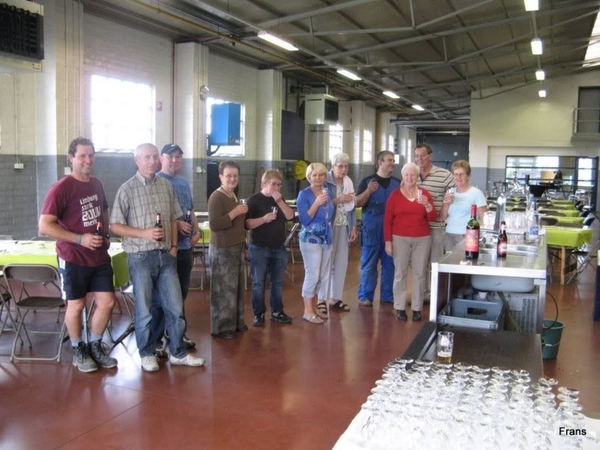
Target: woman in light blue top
[
  {"x": 344, "y": 233},
  {"x": 316, "y": 213},
  {"x": 456, "y": 208}
]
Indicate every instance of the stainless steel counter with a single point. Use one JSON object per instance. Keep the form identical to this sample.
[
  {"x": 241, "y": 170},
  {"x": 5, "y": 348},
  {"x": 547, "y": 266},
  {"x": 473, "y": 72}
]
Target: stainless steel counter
[{"x": 518, "y": 265}]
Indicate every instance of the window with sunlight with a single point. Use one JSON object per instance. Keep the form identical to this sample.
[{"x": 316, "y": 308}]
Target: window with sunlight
[
  {"x": 335, "y": 140},
  {"x": 585, "y": 172},
  {"x": 122, "y": 114}
]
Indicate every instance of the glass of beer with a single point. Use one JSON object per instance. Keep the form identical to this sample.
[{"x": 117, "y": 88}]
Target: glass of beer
[{"x": 444, "y": 346}]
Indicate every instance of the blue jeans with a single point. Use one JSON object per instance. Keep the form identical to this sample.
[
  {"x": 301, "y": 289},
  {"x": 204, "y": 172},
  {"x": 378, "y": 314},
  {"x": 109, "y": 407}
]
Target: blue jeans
[
  {"x": 150, "y": 270},
  {"x": 185, "y": 262},
  {"x": 271, "y": 261}
]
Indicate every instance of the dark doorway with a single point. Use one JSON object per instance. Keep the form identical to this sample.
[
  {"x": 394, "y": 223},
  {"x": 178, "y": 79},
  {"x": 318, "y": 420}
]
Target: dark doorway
[{"x": 446, "y": 147}]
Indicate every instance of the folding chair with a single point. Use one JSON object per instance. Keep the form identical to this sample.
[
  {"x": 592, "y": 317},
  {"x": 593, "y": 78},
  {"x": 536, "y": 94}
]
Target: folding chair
[
  {"x": 587, "y": 222},
  {"x": 5, "y": 299},
  {"x": 129, "y": 302},
  {"x": 584, "y": 256},
  {"x": 199, "y": 254},
  {"x": 288, "y": 246},
  {"x": 39, "y": 278}
]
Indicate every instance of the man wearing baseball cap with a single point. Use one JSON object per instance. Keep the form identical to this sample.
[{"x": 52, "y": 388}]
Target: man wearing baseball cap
[{"x": 171, "y": 158}]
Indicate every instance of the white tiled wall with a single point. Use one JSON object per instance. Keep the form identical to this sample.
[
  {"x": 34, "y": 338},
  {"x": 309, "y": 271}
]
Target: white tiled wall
[
  {"x": 111, "y": 49},
  {"x": 230, "y": 80}
]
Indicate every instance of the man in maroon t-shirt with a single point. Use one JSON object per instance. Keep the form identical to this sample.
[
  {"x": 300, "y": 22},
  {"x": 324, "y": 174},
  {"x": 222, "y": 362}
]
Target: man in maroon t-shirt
[{"x": 75, "y": 213}]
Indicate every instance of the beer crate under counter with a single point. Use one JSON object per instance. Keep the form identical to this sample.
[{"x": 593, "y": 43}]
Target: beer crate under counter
[{"x": 524, "y": 263}]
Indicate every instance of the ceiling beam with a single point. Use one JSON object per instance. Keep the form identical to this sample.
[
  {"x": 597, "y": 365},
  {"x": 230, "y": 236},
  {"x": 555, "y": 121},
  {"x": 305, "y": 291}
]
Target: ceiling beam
[
  {"x": 313, "y": 13},
  {"x": 461, "y": 30}
]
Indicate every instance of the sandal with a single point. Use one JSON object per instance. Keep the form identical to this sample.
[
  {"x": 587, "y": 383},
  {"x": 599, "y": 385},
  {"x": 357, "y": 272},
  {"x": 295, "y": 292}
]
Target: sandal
[
  {"x": 340, "y": 306},
  {"x": 312, "y": 319},
  {"x": 322, "y": 310}
]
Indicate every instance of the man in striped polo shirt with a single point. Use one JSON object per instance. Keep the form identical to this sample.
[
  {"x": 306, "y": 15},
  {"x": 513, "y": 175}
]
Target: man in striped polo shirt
[{"x": 437, "y": 181}]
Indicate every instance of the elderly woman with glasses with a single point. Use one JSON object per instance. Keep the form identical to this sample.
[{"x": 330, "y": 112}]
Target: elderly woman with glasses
[
  {"x": 316, "y": 213},
  {"x": 456, "y": 207},
  {"x": 407, "y": 236},
  {"x": 344, "y": 233},
  {"x": 227, "y": 240}
]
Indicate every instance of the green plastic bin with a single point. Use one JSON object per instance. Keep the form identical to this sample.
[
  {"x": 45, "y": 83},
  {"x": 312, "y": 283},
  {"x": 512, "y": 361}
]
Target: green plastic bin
[{"x": 551, "y": 335}]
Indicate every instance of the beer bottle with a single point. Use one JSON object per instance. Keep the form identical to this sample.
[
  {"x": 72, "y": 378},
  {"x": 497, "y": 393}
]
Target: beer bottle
[
  {"x": 502, "y": 248},
  {"x": 158, "y": 223},
  {"x": 98, "y": 231},
  {"x": 188, "y": 219},
  {"x": 472, "y": 236}
]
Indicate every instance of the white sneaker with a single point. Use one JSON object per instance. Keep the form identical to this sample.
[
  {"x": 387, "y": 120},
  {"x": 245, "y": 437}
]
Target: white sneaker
[
  {"x": 150, "y": 364},
  {"x": 187, "y": 360}
]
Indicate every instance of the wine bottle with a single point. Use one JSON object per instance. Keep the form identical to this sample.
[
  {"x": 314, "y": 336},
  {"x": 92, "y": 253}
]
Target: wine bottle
[
  {"x": 158, "y": 223},
  {"x": 472, "y": 236},
  {"x": 502, "y": 248}
]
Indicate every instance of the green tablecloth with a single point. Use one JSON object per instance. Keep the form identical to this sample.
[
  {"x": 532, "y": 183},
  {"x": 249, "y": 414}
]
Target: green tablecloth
[
  {"x": 44, "y": 252},
  {"x": 205, "y": 233},
  {"x": 559, "y": 213},
  {"x": 569, "y": 220},
  {"x": 359, "y": 213},
  {"x": 556, "y": 201},
  {"x": 568, "y": 237},
  {"x": 560, "y": 206}
]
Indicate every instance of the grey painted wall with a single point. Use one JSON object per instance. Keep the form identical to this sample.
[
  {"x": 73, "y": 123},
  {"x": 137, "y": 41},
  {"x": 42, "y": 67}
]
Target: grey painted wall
[{"x": 23, "y": 191}]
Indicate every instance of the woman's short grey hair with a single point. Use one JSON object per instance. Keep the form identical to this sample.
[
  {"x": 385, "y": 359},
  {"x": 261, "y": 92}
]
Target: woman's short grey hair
[
  {"x": 411, "y": 166},
  {"x": 315, "y": 167},
  {"x": 340, "y": 158}
]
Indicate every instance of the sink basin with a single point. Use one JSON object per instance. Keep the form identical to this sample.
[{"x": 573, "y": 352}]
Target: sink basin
[
  {"x": 513, "y": 250},
  {"x": 505, "y": 284},
  {"x": 494, "y": 283}
]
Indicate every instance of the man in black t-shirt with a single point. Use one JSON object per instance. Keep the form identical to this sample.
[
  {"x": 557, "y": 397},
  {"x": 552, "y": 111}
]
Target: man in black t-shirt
[{"x": 267, "y": 216}]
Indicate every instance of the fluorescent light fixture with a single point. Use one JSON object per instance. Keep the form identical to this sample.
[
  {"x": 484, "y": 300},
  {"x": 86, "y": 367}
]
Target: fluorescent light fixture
[
  {"x": 540, "y": 75},
  {"x": 348, "y": 74},
  {"x": 390, "y": 94},
  {"x": 418, "y": 107},
  {"x": 532, "y": 5},
  {"x": 537, "y": 48},
  {"x": 542, "y": 93},
  {"x": 277, "y": 41}
]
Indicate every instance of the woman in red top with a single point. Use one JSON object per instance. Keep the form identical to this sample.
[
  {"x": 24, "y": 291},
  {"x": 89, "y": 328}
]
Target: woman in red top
[{"x": 408, "y": 212}]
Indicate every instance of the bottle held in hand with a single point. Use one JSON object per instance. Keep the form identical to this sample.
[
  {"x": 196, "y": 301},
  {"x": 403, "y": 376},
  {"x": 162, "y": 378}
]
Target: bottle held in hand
[
  {"x": 188, "y": 219},
  {"x": 158, "y": 223},
  {"x": 98, "y": 231},
  {"x": 472, "y": 236},
  {"x": 502, "y": 247}
]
